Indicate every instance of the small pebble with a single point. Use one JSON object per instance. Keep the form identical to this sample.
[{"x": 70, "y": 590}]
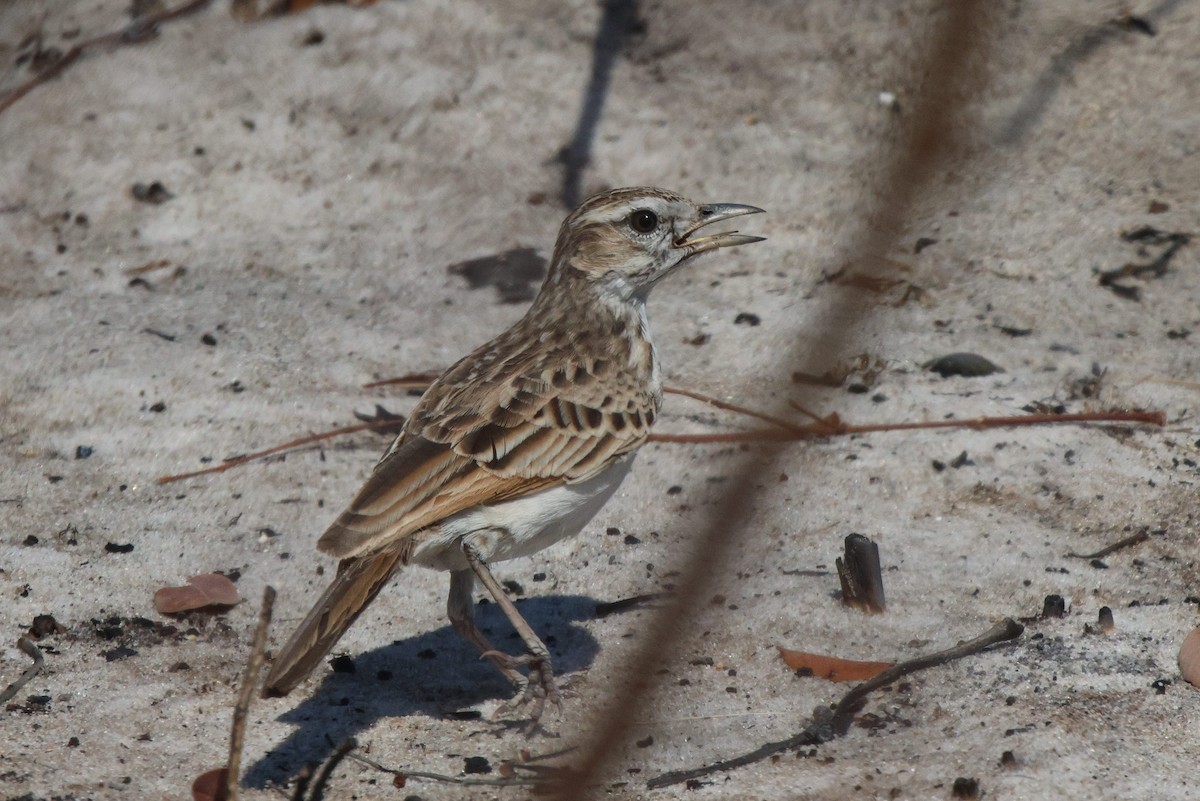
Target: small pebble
[
  {"x": 154, "y": 193},
  {"x": 970, "y": 365}
]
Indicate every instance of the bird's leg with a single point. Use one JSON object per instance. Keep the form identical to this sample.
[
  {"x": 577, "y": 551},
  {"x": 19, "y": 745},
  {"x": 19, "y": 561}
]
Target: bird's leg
[
  {"x": 540, "y": 686},
  {"x": 460, "y": 608}
]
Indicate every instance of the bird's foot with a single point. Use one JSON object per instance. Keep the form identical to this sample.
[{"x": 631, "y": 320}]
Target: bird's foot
[{"x": 535, "y": 690}]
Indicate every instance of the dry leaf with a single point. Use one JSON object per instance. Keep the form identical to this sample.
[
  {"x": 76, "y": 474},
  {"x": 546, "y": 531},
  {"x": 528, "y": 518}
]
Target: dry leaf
[
  {"x": 209, "y": 786},
  {"x": 1189, "y": 658},
  {"x": 832, "y": 668},
  {"x": 206, "y": 589}
]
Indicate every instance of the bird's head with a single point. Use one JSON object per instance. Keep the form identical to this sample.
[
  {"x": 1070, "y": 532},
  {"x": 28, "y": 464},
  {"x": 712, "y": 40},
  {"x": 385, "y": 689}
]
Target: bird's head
[{"x": 630, "y": 238}]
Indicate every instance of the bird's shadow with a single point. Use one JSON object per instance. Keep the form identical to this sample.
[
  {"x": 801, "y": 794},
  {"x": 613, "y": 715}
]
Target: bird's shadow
[{"x": 436, "y": 674}]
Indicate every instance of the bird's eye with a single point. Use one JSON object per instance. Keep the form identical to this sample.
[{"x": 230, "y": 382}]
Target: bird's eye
[{"x": 643, "y": 221}]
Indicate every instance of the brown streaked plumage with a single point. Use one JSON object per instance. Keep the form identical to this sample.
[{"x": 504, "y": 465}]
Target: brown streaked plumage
[{"x": 518, "y": 444}]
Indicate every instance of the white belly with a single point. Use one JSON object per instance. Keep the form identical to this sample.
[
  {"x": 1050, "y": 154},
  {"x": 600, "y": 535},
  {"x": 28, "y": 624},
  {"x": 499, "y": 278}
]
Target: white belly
[{"x": 520, "y": 527}]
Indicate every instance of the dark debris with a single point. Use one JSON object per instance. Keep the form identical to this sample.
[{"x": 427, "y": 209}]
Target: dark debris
[{"x": 1158, "y": 266}]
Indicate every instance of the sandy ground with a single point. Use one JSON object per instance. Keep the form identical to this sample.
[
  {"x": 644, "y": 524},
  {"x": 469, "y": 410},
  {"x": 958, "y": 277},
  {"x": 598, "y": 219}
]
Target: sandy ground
[{"x": 326, "y": 173}]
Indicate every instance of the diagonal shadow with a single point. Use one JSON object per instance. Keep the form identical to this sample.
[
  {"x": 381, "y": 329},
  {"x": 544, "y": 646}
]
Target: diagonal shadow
[
  {"x": 434, "y": 674},
  {"x": 620, "y": 18},
  {"x": 1041, "y": 95}
]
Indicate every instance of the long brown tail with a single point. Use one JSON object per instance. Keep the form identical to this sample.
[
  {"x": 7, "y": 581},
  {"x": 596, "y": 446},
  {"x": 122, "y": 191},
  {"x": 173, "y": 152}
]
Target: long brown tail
[{"x": 359, "y": 580}]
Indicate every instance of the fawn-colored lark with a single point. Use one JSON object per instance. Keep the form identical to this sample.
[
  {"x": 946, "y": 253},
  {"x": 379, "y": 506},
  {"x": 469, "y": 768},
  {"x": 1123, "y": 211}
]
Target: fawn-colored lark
[{"x": 521, "y": 442}]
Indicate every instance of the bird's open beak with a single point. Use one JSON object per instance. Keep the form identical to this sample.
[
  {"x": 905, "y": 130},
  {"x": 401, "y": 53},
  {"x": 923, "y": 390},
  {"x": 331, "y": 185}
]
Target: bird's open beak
[{"x": 709, "y": 214}]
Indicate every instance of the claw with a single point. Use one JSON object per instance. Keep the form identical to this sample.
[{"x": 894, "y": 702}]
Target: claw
[{"x": 539, "y": 687}]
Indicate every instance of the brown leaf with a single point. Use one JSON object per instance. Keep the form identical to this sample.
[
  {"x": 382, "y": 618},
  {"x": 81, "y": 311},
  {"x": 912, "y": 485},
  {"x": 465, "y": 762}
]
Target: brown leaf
[
  {"x": 206, "y": 589},
  {"x": 209, "y": 786},
  {"x": 1189, "y": 658},
  {"x": 219, "y": 589},
  {"x": 832, "y": 668}
]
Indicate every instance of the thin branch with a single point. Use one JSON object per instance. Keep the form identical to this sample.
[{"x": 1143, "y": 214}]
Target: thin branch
[
  {"x": 831, "y": 426},
  {"x": 1004, "y": 631},
  {"x": 1141, "y": 536},
  {"x": 466, "y": 781},
  {"x": 732, "y": 407},
  {"x": 838, "y": 723},
  {"x": 140, "y": 30},
  {"x": 335, "y": 759},
  {"x": 410, "y": 381},
  {"x": 754, "y": 435},
  {"x": 1152, "y": 418},
  {"x": 423, "y": 380},
  {"x": 287, "y": 446},
  {"x": 237, "y": 737},
  {"x": 33, "y": 652},
  {"x": 842, "y": 429}
]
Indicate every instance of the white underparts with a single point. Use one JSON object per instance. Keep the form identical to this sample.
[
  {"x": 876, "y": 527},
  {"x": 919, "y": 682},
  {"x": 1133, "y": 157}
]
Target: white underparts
[{"x": 523, "y": 526}]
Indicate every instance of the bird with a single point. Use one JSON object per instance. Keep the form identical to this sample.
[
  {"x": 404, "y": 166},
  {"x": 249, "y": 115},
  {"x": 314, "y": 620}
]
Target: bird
[{"x": 518, "y": 444}]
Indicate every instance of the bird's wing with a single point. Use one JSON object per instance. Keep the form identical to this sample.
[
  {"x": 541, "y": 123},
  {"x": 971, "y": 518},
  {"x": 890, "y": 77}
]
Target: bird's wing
[{"x": 478, "y": 439}]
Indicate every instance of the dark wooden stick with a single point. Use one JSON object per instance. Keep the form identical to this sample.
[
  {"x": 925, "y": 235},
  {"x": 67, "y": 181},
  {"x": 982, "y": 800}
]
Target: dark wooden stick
[{"x": 861, "y": 575}]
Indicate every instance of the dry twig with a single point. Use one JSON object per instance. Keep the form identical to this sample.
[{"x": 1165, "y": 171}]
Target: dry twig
[
  {"x": 142, "y": 29},
  {"x": 287, "y": 446},
  {"x": 835, "y": 724},
  {"x": 782, "y": 431},
  {"x": 33, "y": 652},
  {"x": 465, "y": 781},
  {"x": 237, "y": 737},
  {"x": 1134, "y": 539},
  {"x": 335, "y": 759}
]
